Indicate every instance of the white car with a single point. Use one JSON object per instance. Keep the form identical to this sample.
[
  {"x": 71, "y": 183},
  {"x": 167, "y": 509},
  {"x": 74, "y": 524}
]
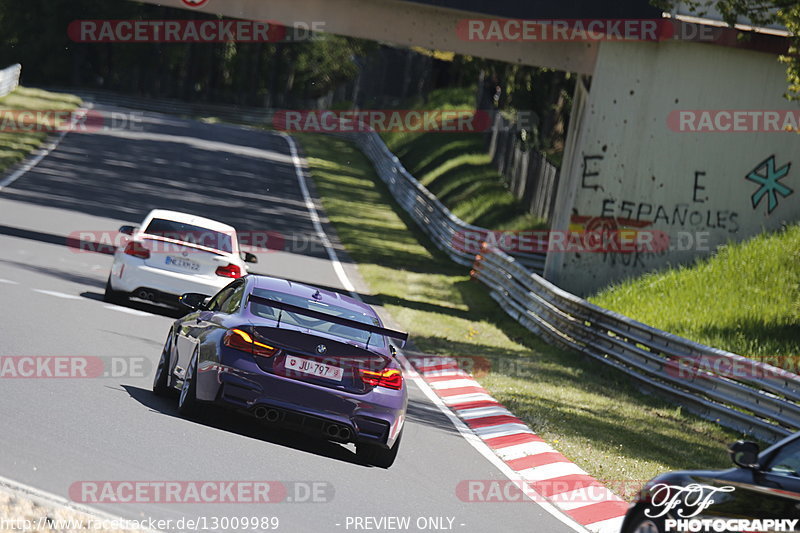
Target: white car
[{"x": 173, "y": 253}]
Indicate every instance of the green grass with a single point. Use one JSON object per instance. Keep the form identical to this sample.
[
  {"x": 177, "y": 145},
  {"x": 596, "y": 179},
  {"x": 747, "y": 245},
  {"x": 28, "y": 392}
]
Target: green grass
[
  {"x": 745, "y": 299},
  {"x": 457, "y": 169},
  {"x": 588, "y": 411},
  {"x": 15, "y": 146}
]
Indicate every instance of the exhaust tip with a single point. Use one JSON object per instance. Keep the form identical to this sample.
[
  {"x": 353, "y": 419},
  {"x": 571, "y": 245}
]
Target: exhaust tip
[
  {"x": 267, "y": 414},
  {"x": 338, "y": 432},
  {"x": 145, "y": 295}
]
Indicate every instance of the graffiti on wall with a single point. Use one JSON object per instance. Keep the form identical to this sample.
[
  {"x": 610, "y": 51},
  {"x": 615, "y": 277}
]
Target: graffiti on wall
[
  {"x": 691, "y": 222},
  {"x": 690, "y": 214},
  {"x": 768, "y": 178}
]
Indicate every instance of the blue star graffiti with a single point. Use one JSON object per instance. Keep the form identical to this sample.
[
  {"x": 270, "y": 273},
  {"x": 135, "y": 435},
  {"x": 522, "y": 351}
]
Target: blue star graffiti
[{"x": 768, "y": 177}]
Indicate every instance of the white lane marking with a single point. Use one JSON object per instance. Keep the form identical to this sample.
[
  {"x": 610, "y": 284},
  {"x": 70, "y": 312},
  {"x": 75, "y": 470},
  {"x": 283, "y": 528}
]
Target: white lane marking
[
  {"x": 8, "y": 281},
  {"x": 460, "y": 426},
  {"x": 58, "y": 294},
  {"x": 40, "y": 154},
  {"x": 127, "y": 310},
  {"x": 51, "y": 500},
  {"x": 312, "y": 211},
  {"x": 489, "y": 454}
]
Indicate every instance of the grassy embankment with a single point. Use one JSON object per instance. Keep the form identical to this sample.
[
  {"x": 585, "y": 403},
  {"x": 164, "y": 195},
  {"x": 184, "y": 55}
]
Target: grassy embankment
[
  {"x": 589, "y": 412},
  {"x": 456, "y": 168},
  {"x": 16, "y": 145},
  {"x": 744, "y": 299}
]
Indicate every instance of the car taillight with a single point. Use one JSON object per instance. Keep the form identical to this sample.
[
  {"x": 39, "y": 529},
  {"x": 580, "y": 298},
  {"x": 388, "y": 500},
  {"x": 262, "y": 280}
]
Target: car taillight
[
  {"x": 390, "y": 378},
  {"x": 229, "y": 271},
  {"x": 137, "y": 249},
  {"x": 241, "y": 340}
]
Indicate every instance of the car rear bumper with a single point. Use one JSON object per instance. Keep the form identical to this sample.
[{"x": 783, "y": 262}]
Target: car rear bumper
[
  {"x": 375, "y": 417},
  {"x": 131, "y": 274}
]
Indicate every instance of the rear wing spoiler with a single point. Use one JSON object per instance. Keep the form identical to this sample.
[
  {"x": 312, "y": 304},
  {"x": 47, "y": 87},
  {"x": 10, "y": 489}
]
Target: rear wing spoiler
[{"x": 402, "y": 337}]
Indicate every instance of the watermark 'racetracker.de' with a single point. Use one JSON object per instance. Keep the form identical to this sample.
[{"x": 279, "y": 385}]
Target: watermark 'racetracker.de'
[
  {"x": 733, "y": 120},
  {"x": 201, "y": 492},
  {"x": 60, "y": 120},
  {"x": 383, "y": 120},
  {"x": 190, "y": 31},
  {"x": 73, "y": 367},
  {"x": 585, "y": 30},
  {"x": 252, "y": 241},
  {"x": 543, "y": 241}
]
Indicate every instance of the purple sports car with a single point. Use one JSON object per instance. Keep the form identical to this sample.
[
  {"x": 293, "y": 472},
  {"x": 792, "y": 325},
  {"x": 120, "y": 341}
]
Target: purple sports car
[{"x": 292, "y": 354}]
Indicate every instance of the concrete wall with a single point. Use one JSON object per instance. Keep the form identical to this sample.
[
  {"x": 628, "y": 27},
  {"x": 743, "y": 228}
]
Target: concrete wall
[{"x": 632, "y": 169}]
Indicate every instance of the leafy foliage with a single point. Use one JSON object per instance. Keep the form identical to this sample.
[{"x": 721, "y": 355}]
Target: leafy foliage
[{"x": 242, "y": 73}]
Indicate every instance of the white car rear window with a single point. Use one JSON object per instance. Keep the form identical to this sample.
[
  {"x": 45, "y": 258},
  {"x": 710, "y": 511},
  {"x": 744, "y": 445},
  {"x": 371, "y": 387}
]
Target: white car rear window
[{"x": 190, "y": 233}]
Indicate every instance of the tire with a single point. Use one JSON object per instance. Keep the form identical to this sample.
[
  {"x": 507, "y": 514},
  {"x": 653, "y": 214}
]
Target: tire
[
  {"x": 641, "y": 523},
  {"x": 161, "y": 378},
  {"x": 187, "y": 401},
  {"x": 114, "y": 297},
  {"x": 378, "y": 455}
]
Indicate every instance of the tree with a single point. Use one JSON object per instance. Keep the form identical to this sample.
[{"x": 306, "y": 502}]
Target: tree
[{"x": 760, "y": 13}]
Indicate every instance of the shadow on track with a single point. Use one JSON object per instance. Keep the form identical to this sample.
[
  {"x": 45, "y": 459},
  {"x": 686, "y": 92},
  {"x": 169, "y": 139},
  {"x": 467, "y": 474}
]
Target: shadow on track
[
  {"x": 243, "y": 177},
  {"x": 249, "y": 427},
  {"x": 425, "y": 413},
  {"x": 138, "y": 305}
]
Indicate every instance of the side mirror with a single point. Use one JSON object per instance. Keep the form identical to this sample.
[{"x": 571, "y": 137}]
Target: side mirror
[
  {"x": 249, "y": 258},
  {"x": 744, "y": 454},
  {"x": 193, "y": 300},
  {"x": 127, "y": 230}
]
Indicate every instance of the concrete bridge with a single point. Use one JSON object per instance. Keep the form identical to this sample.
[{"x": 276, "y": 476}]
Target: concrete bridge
[{"x": 685, "y": 134}]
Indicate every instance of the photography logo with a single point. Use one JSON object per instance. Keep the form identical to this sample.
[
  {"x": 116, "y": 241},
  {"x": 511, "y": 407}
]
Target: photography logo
[{"x": 195, "y": 3}]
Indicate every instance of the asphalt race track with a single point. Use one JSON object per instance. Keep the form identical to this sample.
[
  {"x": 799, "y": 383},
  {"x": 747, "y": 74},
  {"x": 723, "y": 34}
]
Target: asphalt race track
[{"x": 56, "y": 432}]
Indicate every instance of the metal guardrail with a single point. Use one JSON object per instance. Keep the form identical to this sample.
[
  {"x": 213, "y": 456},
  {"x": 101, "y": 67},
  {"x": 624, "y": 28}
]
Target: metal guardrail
[
  {"x": 529, "y": 175},
  {"x": 9, "y": 79},
  {"x": 746, "y": 395},
  {"x": 752, "y": 397},
  {"x": 450, "y": 234}
]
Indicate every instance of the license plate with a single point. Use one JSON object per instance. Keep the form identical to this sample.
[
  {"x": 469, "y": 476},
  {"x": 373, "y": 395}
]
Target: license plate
[
  {"x": 181, "y": 262},
  {"x": 313, "y": 368}
]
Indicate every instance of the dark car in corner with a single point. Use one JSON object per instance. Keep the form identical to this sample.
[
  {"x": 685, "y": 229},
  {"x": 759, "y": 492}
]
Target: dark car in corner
[
  {"x": 764, "y": 485},
  {"x": 290, "y": 354}
]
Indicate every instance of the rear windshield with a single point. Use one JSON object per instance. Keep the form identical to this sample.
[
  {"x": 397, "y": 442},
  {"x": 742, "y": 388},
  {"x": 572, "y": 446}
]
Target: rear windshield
[
  {"x": 315, "y": 324},
  {"x": 190, "y": 233}
]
